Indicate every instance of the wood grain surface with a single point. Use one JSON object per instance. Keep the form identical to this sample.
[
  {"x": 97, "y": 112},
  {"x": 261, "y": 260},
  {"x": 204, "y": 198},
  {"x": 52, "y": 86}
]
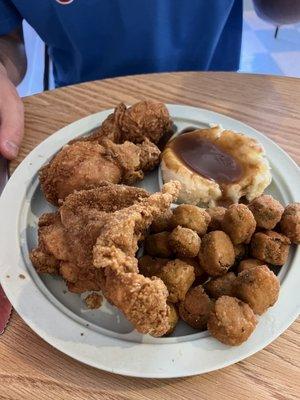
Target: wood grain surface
[{"x": 32, "y": 369}]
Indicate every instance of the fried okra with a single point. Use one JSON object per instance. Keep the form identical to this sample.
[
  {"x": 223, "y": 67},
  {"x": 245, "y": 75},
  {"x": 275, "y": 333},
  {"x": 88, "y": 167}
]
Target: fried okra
[
  {"x": 157, "y": 245},
  {"x": 249, "y": 263},
  {"x": 192, "y": 217},
  {"x": 266, "y": 210},
  {"x": 239, "y": 223},
  {"x": 163, "y": 222},
  {"x": 270, "y": 247},
  {"x": 173, "y": 318},
  {"x": 150, "y": 266},
  {"x": 194, "y": 262},
  {"x": 216, "y": 214},
  {"x": 290, "y": 222},
  {"x": 221, "y": 286},
  {"x": 184, "y": 242},
  {"x": 195, "y": 308},
  {"x": 178, "y": 277},
  {"x": 216, "y": 253},
  {"x": 240, "y": 250},
  {"x": 231, "y": 321},
  {"x": 259, "y": 287}
]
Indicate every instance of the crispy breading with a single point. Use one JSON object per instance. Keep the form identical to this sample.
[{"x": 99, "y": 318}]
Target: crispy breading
[
  {"x": 270, "y": 247},
  {"x": 145, "y": 119},
  {"x": 259, "y": 287},
  {"x": 231, "y": 321},
  {"x": 142, "y": 300},
  {"x": 290, "y": 222},
  {"x": 66, "y": 238},
  {"x": 221, "y": 286},
  {"x": 82, "y": 165},
  {"x": 195, "y": 308},
  {"x": 239, "y": 223},
  {"x": 266, "y": 210}
]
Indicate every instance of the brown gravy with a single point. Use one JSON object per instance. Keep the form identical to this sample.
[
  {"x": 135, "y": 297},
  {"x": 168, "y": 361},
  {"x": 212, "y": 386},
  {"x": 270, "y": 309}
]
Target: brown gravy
[{"x": 206, "y": 158}]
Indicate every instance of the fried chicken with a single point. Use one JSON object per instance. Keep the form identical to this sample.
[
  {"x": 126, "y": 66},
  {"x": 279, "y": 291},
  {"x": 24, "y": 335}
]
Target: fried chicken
[
  {"x": 82, "y": 165},
  {"x": 121, "y": 233},
  {"x": 102, "y": 226},
  {"x": 144, "y": 120},
  {"x": 66, "y": 238},
  {"x": 142, "y": 300},
  {"x": 120, "y": 151}
]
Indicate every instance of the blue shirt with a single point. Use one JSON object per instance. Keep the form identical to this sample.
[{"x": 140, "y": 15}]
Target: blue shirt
[{"x": 92, "y": 39}]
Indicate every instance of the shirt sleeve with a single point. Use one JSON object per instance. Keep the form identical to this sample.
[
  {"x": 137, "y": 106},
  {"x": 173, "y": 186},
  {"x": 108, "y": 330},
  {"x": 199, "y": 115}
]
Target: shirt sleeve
[{"x": 10, "y": 18}]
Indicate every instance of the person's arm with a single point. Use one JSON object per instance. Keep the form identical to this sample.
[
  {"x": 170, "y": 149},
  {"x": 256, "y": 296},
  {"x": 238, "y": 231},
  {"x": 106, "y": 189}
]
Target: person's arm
[
  {"x": 13, "y": 56},
  {"x": 12, "y": 70}
]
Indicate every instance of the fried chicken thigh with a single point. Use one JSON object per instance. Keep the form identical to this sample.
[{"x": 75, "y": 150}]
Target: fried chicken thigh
[
  {"x": 82, "y": 165},
  {"x": 145, "y": 119}
]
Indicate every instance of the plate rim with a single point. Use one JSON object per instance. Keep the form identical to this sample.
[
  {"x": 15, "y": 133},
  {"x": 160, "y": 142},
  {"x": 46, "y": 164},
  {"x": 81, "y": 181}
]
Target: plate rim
[{"x": 59, "y": 138}]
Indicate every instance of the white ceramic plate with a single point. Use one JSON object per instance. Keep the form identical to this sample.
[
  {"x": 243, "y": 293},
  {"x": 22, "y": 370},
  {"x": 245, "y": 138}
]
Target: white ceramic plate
[{"x": 103, "y": 338}]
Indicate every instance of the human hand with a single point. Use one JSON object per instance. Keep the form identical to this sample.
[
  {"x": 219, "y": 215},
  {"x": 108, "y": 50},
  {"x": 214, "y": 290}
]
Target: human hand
[{"x": 11, "y": 117}]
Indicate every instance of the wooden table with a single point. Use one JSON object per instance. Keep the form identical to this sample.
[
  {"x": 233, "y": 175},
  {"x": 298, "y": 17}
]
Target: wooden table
[{"x": 32, "y": 369}]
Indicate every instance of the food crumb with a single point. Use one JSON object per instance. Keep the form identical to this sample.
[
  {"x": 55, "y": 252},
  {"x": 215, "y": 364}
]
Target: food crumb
[
  {"x": 93, "y": 301},
  {"x": 21, "y": 276}
]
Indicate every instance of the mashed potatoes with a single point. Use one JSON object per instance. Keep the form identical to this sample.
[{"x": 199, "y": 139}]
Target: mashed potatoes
[{"x": 200, "y": 190}]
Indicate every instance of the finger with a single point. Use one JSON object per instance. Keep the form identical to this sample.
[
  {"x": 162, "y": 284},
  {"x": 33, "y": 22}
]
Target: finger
[{"x": 11, "y": 126}]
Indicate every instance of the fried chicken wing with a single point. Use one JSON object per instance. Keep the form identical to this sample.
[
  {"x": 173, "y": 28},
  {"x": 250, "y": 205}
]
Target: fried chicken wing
[{"x": 142, "y": 300}]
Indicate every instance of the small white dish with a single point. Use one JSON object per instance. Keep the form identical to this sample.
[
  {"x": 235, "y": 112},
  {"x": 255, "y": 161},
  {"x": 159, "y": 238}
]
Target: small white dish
[{"x": 104, "y": 339}]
